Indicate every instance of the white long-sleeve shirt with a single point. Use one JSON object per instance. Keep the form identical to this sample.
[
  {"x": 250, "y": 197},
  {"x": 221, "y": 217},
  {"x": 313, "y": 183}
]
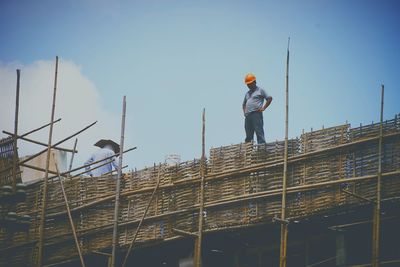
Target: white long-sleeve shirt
[{"x": 99, "y": 155}]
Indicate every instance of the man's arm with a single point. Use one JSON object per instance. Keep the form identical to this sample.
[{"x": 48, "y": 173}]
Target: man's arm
[
  {"x": 267, "y": 103},
  {"x": 244, "y": 105}
]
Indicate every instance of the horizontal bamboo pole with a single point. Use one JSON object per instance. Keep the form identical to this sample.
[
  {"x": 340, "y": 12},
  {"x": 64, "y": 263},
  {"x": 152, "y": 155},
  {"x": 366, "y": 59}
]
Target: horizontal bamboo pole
[
  {"x": 39, "y": 143},
  {"x": 37, "y": 168}
]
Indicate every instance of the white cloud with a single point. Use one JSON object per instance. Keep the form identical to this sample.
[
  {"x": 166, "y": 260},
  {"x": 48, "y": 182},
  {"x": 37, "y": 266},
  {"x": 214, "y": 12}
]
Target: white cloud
[{"x": 78, "y": 104}]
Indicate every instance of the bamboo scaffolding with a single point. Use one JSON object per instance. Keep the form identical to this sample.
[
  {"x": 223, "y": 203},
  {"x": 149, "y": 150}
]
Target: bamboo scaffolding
[
  {"x": 232, "y": 194},
  {"x": 52, "y": 146},
  {"x": 118, "y": 189},
  {"x": 44, "y": 197},
  {"x": 242, "y": 171},
  {"x": 211, "y": 205}
]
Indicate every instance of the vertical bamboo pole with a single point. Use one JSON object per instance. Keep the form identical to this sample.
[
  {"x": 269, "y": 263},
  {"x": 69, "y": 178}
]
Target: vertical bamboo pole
[
  {"x": 15, "y": 159},
  {"x": 70, "y": 216},
  {"x": 377, "y": 212},
  {"x": 284, "y": 227},
  {"x": 72, "y": 156},
  {"x": 46, "y": 176},
  {"x": 118, "y": 186},
  {"x": 197, "y": 252}
]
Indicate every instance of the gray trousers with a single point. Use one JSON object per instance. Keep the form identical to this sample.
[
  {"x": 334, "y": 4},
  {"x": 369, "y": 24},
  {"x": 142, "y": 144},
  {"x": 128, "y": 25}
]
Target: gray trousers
[{"x": 254, "y": 123}]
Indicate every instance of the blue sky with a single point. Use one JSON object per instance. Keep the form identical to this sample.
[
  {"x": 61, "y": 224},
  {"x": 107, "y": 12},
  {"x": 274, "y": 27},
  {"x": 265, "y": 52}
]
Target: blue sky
[{"x": 174, "y": 58}]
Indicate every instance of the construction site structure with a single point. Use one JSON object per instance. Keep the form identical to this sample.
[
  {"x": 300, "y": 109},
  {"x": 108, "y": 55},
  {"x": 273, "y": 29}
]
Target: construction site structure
[
  {"x": 329, "y": 197},
  {"x": 331, "y": 194}
]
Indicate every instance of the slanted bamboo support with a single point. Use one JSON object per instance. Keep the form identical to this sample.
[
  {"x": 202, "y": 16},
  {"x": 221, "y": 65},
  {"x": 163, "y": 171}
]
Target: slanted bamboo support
[
  {"x": 78, "y": 248},
  {"x": 39, "y": 261},
  {"x": 142, "y": 220}
]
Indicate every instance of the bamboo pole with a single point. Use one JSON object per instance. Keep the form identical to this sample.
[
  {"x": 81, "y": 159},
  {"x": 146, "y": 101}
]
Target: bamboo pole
[
  {"x": 15, "y": 158},
  {"x": 90, "y": 164},
  {"x": 118, "y": 186},
  {"x": 39, "y": 128},
  {"x": 199, "y": 239},
  {"x": 73, "y": 155},
  {"x": 52, "y": 146},
  {"x": 68, "y": 172},
  {"x": 284, "y": 226},
  {"x": 37, "y": 142},
  {"x": 78, "y": 248},
  {"x": 28, "y": 133},
  {"x": 142, "y": 219},
  {"x": 44, "y": 196},
  {"x": 377, "y": 212}
]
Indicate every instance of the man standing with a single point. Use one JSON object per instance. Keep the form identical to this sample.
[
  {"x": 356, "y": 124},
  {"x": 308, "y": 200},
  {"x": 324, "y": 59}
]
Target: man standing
[
  {"x": 253, "y": 106},
  {"x": 108, "y": 148}
]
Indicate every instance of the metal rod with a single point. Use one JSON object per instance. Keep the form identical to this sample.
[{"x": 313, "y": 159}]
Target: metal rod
[
  {"x": 377, "y": 212},
  {"x": 142, "y": 219},
  {"x": 118, "y": 186},
  {"x": 284, "y": 227},
  {"x": 15, "y": 158},
  {"x": 38, "y": 143},
  {"x": 73, "y": 155},
  {"x": 110, "y": 172},
  {"x": 69, "y": 215},
  {"x": 102, "y": 253},
  {"x": 198, "y": 243},
  {"x": 321, "y": 262},
  {"x": 185, "y": 233},
  {"x": 279, "y": 220},
  {"x": 44, "y": 196}
]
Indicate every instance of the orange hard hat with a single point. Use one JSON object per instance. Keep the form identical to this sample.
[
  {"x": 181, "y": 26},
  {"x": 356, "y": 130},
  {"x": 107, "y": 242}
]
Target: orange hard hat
[{"x": 249, "y": 78}]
